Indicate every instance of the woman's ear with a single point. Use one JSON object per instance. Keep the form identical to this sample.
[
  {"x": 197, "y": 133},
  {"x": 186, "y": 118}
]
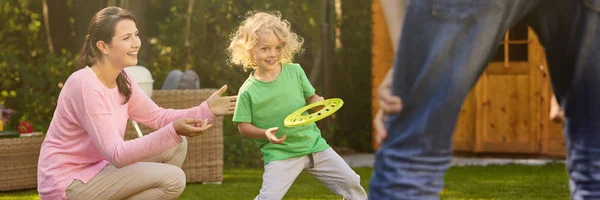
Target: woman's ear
[{"x": 102, "y": 47}]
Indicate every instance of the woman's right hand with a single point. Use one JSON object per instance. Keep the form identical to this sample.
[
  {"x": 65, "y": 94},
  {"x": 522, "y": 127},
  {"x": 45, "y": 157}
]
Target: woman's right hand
[
  {"x": 270, "y": 134},
  {"x": 190, "y": 127}
]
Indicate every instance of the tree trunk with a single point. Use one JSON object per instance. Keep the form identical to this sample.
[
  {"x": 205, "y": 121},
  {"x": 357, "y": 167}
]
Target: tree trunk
[
  {"x": 316, "y": 70},
  {"x": 60, "y": 31},
  {"x": 327, "y": 42},
  {"x": 47, "y": 26},
  {"x": 327, "y": 47},
  {"x": 83, "y": 11},
  {"x": 188, "y": 58}
]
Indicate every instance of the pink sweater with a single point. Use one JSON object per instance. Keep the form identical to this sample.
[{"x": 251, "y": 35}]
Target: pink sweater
[{"x": 86, "y": 132}]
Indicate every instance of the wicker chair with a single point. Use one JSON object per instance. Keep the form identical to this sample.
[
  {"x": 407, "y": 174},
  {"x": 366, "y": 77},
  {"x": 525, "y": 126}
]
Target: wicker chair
[
  {"x": 18, "y": 162},
  {"x": 204, "y": 161}
]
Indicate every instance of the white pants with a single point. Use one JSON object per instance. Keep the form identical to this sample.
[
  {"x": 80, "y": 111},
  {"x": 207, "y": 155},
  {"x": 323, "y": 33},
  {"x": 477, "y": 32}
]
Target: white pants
[
  {"x": 158, "y": 177},
  {"x": 326, "y": 166}
]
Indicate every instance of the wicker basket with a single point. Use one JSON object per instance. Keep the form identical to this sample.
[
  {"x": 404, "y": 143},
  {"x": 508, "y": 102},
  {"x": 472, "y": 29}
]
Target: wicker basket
[
  {"x": 204, "y": 161},
  {"x": 18, "y": 162}
]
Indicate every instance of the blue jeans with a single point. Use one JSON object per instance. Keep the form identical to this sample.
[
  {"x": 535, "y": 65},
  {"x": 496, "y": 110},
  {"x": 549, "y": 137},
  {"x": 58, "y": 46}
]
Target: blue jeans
[{"x": 444, "y": 48}]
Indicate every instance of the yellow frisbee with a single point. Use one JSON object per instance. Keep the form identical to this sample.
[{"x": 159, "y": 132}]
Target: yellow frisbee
[{"x": 298, "y": 119}]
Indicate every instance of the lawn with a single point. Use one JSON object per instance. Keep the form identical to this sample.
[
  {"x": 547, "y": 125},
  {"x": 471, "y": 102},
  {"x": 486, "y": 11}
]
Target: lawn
[{"x": 472, "y": 182}]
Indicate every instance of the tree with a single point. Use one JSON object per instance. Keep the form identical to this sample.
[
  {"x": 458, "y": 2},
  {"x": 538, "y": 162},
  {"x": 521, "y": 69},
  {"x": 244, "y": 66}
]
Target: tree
[
  {"x": 60, "y": 31},
  {"x": 83, "y": 11}
]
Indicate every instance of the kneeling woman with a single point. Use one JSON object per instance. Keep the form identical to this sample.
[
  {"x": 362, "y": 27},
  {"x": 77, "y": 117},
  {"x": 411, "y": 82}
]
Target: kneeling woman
[{"x": 84, "y": 155}]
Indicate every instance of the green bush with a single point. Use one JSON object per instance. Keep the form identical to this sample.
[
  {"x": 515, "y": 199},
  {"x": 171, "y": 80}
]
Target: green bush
[
  {"x": 352, "y": 66},
  {"x": 31, "y": 76}
]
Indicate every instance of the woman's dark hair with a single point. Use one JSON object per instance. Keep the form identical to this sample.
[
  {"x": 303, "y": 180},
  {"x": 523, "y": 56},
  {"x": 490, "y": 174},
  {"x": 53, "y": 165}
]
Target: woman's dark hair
[{"x": 102, "y": 28}]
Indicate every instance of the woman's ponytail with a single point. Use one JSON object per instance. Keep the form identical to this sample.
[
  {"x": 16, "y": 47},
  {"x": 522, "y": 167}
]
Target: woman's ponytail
[
  {"x": 124, "y": 86},
  {"x": 86, "y": 54}
]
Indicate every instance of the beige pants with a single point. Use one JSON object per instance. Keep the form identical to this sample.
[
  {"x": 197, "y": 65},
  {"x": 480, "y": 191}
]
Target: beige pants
[
  {"x": 158, "y": 177},
  {"x": 326, "y": 166}
]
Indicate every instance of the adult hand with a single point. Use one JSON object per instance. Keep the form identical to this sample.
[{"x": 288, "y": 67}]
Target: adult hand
[
  {"x": 556, "y": 113},
  {"x": 190, "y": 127},
  {"x": 388, "y": 104},
  {"x": 380, "y": 131},
  {"x": 220, "y": 105},
  {"x": 270, "y": 133}
]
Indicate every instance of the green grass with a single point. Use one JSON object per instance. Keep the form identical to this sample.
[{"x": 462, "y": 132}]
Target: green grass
[{"x": 491, "y": 182}]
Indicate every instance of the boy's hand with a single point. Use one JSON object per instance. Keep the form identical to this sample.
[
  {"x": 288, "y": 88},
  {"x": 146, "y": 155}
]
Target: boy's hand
[
  {"x": 270, "y": 133},
  {"x": 316, "y": 99}
]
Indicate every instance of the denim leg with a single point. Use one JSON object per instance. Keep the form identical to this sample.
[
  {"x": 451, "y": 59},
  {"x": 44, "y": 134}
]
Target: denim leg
[
  {"x": 570, "y": 32},
  {"x": 444, "y": 47}
]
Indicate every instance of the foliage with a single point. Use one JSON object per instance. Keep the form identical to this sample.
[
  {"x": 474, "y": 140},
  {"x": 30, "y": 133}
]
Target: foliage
[
  {"x": 31, "y": 76},
  {"x": 212, "y": 22},
  {"x": 351, "y": 65}
]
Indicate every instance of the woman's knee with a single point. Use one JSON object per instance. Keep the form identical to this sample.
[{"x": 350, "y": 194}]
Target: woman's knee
[
  {"x": 178, "y": 154},
  {"x": 174, "y": 180}
]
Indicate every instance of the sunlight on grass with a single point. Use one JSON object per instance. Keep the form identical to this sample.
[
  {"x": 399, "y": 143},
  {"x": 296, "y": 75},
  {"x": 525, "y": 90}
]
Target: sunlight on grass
[
  {"x": 507, "y": 182},
  {"x": 20, "y": 195},
  {"x": 472, "y": 182}
]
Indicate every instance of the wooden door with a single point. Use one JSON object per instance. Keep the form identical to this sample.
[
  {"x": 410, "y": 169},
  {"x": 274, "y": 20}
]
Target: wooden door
[
  {"x": 507, "y": 111},
  {"x": 508, "y": 97}
]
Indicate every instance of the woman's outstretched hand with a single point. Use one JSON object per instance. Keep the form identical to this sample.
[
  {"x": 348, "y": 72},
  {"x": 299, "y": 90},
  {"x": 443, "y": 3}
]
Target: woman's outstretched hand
[
  {"x": 220, "y": 105},
  {"x": 190, "y": 127}
]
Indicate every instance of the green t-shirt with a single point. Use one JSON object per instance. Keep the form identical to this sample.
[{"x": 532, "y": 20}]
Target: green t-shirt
[{"x": 266, "y": 104}]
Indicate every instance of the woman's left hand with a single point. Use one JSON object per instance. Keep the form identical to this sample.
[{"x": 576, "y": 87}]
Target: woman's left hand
[{"x": 220, "y": 105}]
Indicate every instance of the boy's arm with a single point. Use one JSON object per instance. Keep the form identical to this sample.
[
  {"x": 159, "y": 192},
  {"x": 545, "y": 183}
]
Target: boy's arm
[{"x": 249, "y": 130}]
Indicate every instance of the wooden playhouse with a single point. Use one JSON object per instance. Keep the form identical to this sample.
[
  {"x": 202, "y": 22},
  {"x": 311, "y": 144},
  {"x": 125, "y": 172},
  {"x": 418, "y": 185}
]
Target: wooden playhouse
[{"x": 507, "y": 111}]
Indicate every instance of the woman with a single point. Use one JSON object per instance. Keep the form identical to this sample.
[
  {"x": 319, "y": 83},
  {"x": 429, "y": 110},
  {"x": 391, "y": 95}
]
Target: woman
[{"x": 84, "y": 155}]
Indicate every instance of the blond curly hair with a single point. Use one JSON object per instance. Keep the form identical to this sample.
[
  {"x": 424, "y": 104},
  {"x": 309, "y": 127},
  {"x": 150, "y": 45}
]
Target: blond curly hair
[{"x": 246, "y": 37}]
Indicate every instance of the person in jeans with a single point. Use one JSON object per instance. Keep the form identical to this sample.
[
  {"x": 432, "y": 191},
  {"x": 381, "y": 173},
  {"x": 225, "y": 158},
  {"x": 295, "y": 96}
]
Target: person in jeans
[{"x": 444, "y": 47}]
